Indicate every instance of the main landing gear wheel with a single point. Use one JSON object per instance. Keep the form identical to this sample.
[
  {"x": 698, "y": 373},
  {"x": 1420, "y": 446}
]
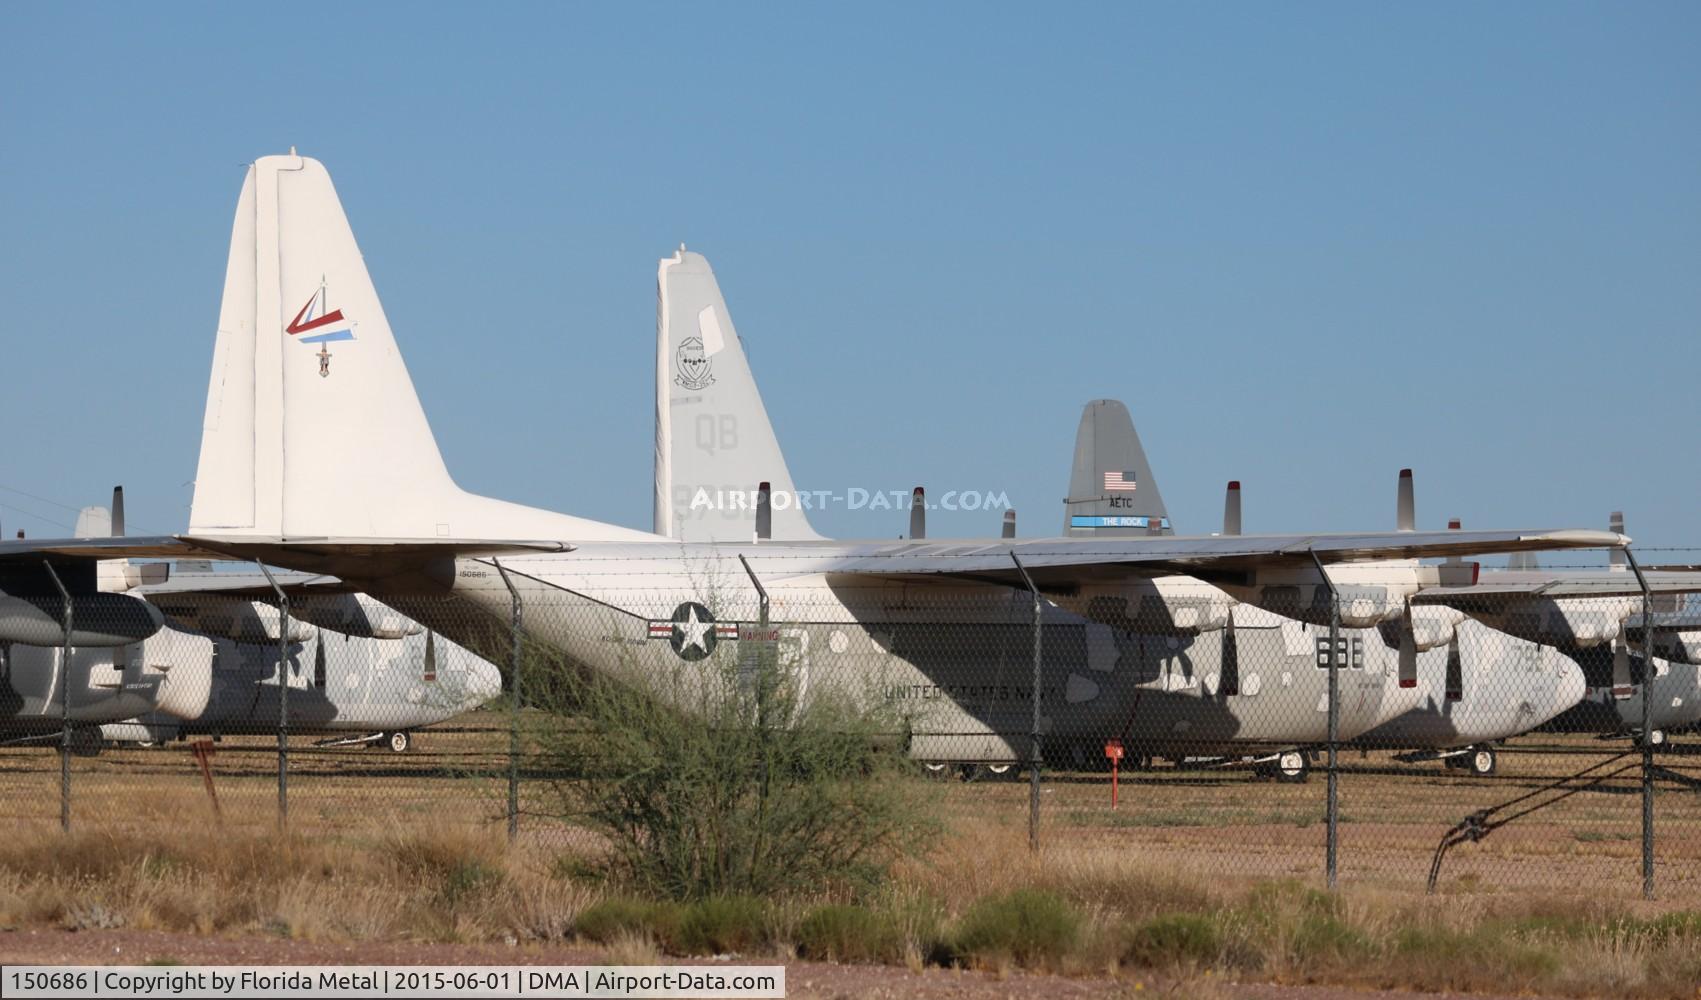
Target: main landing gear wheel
[
  {"x": 1481, "y": 761},
  {"x": 398, "y": 741},
  {"x": 86, "y": 743},
  {"x": 1656, "y": 738},
  {"x": 937, "y": 770},
  {"x": 1292, "y": 767},
  {"x": 998, "y": 772}
]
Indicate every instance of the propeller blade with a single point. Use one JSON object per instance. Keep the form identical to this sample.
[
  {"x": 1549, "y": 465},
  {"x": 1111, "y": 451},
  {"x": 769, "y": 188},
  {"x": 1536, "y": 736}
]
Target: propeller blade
[
  {"x": 1405, "y": 511},
  {"x": 1231, "y": 509},
  {"x": 118, "y": 512},
  {"x": 1408, "y": 652},
  {"x": 918, "y": 514},
  {"x": 1622, "y": 684},
  {"x": 1455, "y": 671},
  {"x": 1009, "y": 524}
]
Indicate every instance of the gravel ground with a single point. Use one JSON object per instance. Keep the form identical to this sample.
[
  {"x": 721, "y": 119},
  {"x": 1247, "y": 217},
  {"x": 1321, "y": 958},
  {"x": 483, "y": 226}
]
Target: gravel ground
[{"x": 804, "y": 979}]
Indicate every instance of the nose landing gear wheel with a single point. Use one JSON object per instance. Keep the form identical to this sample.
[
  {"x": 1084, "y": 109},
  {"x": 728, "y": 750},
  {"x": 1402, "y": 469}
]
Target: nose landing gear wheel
[{"x": 1482, "y": 761}]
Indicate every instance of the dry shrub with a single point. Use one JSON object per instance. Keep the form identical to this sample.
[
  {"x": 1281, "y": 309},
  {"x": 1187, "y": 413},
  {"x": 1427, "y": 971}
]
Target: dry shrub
[
  {"x": 840, "y": 933},
  {"x": 1032, "y": 928},
  {"x": 760, "y": 786}
]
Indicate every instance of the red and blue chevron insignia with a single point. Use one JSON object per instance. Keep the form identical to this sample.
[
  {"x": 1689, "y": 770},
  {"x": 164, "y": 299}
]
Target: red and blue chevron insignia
[{"x": 305, "y": 320}]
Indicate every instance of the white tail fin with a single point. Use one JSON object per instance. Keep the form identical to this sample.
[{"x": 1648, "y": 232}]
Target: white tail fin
[
  {"x": 714, "y": 444},
  {"x": 312, "y": 424}
]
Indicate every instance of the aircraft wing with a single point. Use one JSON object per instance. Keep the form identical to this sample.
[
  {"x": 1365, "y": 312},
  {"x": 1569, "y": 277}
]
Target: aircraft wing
[
  {"x": 21, "y": 560},
  {"x": 1057, "y": 561},
  {"x": 1052, "y": 561},
  {"x": 246, "y": 583},
  {"x": 131, "y": 547},
  {"x": 1561, "y": 583}
]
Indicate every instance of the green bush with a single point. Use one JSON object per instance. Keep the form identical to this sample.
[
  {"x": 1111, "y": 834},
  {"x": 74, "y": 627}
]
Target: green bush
[
  {"x": 728, "y": 776},
  {"x": 720, "y": 924},
  {"x": 1480, "y": 958},
  {"x": 1180, "y": 939},
  {"x": 1677, "y": 925},
  {"x": 1034, "y": 928},
  {"x": 610, "y": 919},
  {"x": 839, "y": 933},
  {"x": 1326, "y": 938}
]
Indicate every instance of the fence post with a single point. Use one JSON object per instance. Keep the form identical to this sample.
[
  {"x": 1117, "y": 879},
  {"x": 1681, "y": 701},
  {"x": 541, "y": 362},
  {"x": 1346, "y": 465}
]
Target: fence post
[
  {"x": 283, "y": 697},
  {"x": 64, "y": 706},
  {"x": 514, "y": 705},
  {"x": 1035, "y": 757},
  {"x": 1647, "y": 732},
  {"x": 1332, "y": 814},
  {"x": 764, "y": 666}
]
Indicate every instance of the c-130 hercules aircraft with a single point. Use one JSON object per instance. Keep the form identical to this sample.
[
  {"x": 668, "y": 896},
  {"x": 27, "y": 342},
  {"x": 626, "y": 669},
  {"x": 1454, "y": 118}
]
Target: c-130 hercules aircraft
[
  {"x": 1173, "y": 667},
  {"x": 304, "y": 357},
  {"x": 358, "y": 671}
]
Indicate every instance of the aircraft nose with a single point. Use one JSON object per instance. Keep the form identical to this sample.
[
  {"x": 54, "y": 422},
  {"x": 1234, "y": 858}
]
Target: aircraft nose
[
  {"x": 484, "y": 679},
  {"x": 1571, "y": 686},
  {"x": 1688, "y": 708}
]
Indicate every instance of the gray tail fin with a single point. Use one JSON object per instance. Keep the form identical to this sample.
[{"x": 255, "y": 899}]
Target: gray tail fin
[
  {"x": 1615, "y": 557},
  {"x": 1111, "y": 488}
]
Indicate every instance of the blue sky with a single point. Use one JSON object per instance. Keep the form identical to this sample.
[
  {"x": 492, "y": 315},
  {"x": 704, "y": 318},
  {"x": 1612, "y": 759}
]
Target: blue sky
[{"x": 1306, "y": 245}]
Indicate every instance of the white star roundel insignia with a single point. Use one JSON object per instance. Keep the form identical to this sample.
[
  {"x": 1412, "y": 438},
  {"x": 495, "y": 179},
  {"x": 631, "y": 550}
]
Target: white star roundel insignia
[{"x": 693, "y": 631}]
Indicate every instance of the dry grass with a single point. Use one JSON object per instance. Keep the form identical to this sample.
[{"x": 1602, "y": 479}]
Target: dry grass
[
  {"x": 1195, "y": 878},
  {"x": 980, "y": 900},
  {"x": 440, "y": 887}
]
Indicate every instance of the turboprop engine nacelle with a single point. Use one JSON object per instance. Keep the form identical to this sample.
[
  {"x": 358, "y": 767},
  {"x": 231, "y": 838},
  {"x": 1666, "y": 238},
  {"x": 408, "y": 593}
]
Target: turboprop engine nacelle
[
  {"x": 1559, "y": 621},
  {"x": 1679, "y": 647},
  {"x": 1367, "y": 596},
  {"x": 231, "y": 617},
  {"x": 118, "y": 575},
  {"x": 1434, "y": 626},
  {"x": 353, "y": 614},
  {"x": 183, "y": 664},
  {"x": 97, "y": 620}
]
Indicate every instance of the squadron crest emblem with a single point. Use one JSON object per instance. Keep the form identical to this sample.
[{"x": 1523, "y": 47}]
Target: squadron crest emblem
[{"x": 692, "y": 365}]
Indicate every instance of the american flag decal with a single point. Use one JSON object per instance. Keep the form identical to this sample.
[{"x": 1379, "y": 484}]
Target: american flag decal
[{"x": 1119, "y": 482}]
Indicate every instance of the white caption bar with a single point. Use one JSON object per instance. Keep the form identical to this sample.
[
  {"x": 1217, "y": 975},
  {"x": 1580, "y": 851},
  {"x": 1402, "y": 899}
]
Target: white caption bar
[{"x": 145, "y": 981}]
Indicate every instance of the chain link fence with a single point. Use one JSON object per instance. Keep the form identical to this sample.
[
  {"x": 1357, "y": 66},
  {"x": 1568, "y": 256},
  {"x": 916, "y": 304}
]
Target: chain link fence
[{"x": 1329, "y": 730}]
